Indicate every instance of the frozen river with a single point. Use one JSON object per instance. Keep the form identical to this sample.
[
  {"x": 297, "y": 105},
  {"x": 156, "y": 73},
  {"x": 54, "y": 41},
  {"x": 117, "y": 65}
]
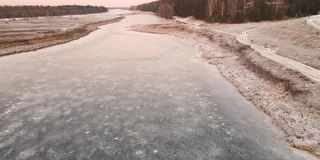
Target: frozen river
[{"x": 122, "y": 95}]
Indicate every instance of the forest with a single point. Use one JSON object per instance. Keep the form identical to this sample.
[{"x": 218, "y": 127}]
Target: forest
[
  {"x": 233, "y": 10},
  {"x": 39, "y": 11}
]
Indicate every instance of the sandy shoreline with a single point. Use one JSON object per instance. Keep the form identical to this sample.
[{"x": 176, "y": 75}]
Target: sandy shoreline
[
  {"x": 288, "y": 97},
  {"x": 34, "y": 39}
]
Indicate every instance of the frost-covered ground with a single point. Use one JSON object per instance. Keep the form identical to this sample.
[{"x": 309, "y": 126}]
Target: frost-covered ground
[
  {"x": 28, "y": 34},
  {"x": 314, "y": 21},
  {"x": 28, "y": 28},
  {"x": 288, "y": 96},
  {"x": 293, "y": 39}
]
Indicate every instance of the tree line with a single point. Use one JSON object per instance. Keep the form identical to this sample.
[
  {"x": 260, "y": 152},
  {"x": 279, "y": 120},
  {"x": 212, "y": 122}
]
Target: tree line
[
  {"x": 232, "y": 10},
  {"x": 39, "y": 11}
]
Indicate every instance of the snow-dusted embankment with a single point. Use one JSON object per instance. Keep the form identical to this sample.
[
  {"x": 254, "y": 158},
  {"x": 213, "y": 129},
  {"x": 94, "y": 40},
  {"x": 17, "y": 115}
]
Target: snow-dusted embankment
[{"x": 314, "y": 21}]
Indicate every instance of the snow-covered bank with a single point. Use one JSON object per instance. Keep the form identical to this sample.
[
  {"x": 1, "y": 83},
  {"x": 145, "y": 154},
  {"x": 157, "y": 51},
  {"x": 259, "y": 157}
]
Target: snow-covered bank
[
  {"x": 287, "y": 96},
  {"x": 29, "y": 34},
  {"x": 314, "y": 21}
]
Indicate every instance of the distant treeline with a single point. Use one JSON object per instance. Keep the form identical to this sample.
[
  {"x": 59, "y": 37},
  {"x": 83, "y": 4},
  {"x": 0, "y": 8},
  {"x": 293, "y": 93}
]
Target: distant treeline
[
  {"x": 233, "y": 10},
  {"x": 39, "y": 11}
]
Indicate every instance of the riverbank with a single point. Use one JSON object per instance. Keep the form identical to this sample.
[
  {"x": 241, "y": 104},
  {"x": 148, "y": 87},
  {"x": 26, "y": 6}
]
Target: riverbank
[
  {"x": 290, "y": 98},
  {"x": 119, "y": 94},
  {"x": 25, "y": 35}
]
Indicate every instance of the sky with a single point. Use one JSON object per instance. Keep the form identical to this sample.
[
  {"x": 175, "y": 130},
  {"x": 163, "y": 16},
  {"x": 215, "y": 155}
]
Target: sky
[{"x": 107, "y": 3}]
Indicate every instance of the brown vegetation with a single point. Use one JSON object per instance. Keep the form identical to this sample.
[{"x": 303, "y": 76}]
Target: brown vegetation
[
  {"x": 234, "y": 10},
  {"x": 166, "y": 10}
]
